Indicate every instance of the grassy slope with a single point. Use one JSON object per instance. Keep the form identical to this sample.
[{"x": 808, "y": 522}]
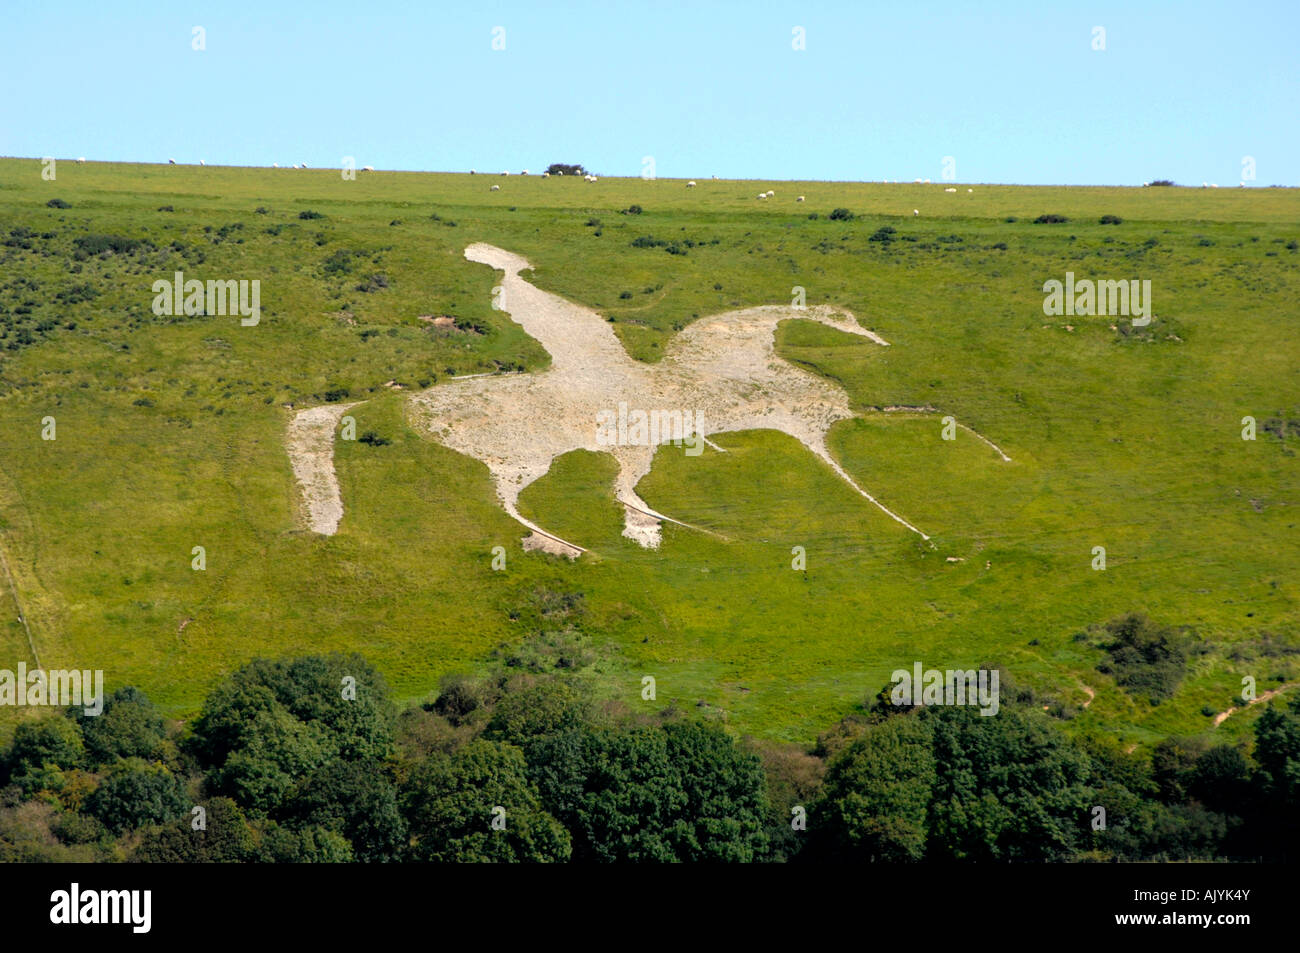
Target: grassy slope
[{"x": 1133, "y": 444}]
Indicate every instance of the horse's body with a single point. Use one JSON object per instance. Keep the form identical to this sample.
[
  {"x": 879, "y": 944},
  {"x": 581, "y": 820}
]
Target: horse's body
[{"x": 722, "y": 371}]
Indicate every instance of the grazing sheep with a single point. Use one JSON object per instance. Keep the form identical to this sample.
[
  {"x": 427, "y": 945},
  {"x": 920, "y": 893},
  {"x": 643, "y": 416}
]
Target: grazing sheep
[
  {"x": 495, "y": 188},
  {"x": 81, "y": 159},
  {"x": 201, "y": 162},
  {"x": 690, "y": 185},
  {"x": 559, "y": 173},
  {"x": 275, "y": 165},
  {"x": 916, "y": 181},
  {"x": 472, "y": 172},
  {"x": 505, "y": 173},
  {"x": 762, "y": 195},
  {"x": 171, "y": 161},
  {"x": 1213, "y": 185},
  {"x": 950, "y": 190},
  {"x": 771, "y": 194},
  {"x": 367, "y": 168},
  {"x": 546, "y": 175},
  {"x": 302, "y": 165},
  {"x": 916, "y": 211},
  {"x": 524, "y": 172},
  {"x": 1205, "y": 185},
  {"x": 1241, "y": 185},
  {"x": 799, "y": 199},
  {"x": 969, "y": 191}
]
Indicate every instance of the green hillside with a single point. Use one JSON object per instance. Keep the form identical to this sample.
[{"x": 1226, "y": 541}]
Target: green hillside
[{"x": 170, "y": 435}]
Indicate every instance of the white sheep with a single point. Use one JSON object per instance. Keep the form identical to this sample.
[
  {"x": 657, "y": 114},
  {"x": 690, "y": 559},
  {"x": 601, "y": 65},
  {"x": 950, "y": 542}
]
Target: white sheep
[
  {"x": 1213, "y": 185},
  {"x": 81, "y": 159},
  {"x": 201, "y": 162},
  {"x": 495, "y": 188},
  {"x": 799, "y": 199},
  {"x": 969, "y": 191},
  {"x": 762, "y": 195},
  {"x": 367, "y": 168},
  {"x": 927, "y": 181},
  {"x": 472, "y": 172},
  {"x": 524, "y": 172},
  {"x": 1205, "y": 185},
  {"x": 950, "y": 190},
  {"x": 916, "y": 181},
  {"x": 505, "y": 173},
  {"x": 171, "y": 161},
  {"x": 546, "y": 175},
  {"x": 275, "y": 165},
  {"x": 916, "y": 211},
  {"x": 771, "y": 194},
  {"x": 561, "y": 172},
  {"x": 690, "y": 185}
]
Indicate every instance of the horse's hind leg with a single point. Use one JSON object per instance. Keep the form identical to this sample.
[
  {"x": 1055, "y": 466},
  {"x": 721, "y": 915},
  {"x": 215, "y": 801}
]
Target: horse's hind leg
[
  {"x": 510, "y": 483},
  {"x": 817, "y": 444}
]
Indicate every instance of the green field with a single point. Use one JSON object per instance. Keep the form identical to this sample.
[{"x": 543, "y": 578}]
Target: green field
[{"x": 170, "y": 435}]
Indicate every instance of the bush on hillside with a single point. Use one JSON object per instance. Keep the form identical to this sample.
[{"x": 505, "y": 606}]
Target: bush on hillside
[{"x": 561, "y": 168}]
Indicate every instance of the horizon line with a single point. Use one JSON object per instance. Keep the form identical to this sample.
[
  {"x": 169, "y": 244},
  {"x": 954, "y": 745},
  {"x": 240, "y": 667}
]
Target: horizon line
[{"x": 670, "y": 178}]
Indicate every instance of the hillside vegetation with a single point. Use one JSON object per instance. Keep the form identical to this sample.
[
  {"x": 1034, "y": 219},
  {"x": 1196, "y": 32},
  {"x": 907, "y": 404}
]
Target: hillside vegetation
[{"x": 170, "y": 435}]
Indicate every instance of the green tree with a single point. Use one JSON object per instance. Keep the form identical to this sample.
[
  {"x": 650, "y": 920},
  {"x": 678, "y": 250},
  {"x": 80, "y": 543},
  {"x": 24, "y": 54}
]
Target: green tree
[
  {"x": 268, "y": 727},
  {"x": 724, "y": 818},
  {"x": 277, "y": 752},
  {"x": 359, "y": 803},
  {"x": 1007, "y": 787},
  {"x": 615, "y": 790},
  {"x": 128, "y": 727},
  {"x": 450, "y": 803},
  {"x": 876, "y": 799},
  {"x": 225, "y": 839},
  {"x": 308, "y": 845},
  {"x": 136, "y": 793},
  {"x": 49, "y": 740}
]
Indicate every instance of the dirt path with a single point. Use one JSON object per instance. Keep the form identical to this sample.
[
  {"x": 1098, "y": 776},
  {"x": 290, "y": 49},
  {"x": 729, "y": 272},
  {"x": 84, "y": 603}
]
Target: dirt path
[
  {"x": 1222, "y": 716},
  {"x": 18, "y": 607},
  {"x": 310, "y": 442}
]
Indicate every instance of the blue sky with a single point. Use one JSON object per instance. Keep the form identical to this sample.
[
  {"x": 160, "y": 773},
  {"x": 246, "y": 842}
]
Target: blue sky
[{"x": 1013, "y": 91}]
